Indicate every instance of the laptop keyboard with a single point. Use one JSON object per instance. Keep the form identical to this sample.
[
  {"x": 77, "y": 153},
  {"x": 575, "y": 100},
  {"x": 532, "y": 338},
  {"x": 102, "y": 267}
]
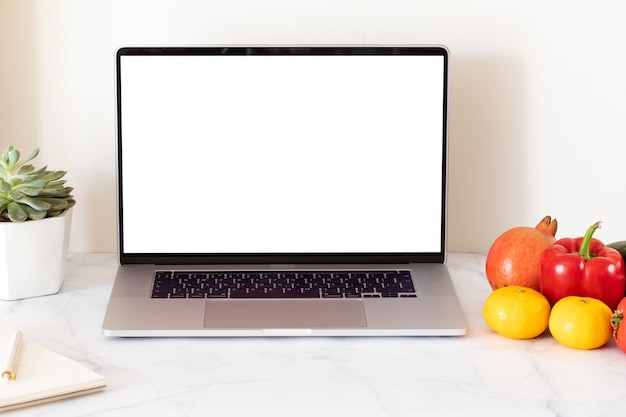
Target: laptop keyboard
[{"x": 309, "y": 284}]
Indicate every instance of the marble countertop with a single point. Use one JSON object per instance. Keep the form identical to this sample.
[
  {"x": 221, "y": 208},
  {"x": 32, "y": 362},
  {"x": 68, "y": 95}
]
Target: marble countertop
[{"x": 479, "y": 374}]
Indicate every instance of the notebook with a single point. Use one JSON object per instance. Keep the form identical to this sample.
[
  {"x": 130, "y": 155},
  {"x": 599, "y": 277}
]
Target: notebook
[
  {"x": 43, "y": 376},
  {"x": 282, "y": 191}
]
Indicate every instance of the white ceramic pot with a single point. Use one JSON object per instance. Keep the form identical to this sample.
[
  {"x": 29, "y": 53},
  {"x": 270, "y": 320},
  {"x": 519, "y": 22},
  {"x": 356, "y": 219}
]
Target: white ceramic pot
[{"x": 33, "y": 255}]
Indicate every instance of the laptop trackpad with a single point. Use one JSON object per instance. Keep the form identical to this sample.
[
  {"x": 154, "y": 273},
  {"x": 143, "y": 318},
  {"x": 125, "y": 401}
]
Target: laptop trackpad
[{"x": 284, "y": 314}]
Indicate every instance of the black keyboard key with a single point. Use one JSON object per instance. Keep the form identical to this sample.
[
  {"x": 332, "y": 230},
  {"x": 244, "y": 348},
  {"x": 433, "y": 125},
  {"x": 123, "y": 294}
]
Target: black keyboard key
[
  {"x": 160, "y": 294},
  {"x": 197, "y": 294},
  {"x": 217, "y": 294},
  {"x": 332, "y": 293}
]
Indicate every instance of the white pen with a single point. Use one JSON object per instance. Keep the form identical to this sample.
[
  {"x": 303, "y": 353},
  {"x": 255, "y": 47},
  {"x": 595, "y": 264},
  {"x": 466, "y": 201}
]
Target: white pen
[{"x": 9, "y": 369}]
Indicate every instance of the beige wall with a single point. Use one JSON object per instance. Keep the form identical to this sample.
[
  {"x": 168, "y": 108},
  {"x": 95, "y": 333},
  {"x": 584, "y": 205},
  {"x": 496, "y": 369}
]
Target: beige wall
[{"x": 537, "y": 95}]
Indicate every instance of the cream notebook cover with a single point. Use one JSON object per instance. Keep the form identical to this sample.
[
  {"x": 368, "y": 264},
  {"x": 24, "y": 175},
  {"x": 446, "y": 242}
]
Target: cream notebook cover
[{"x": 43, "y": 376}]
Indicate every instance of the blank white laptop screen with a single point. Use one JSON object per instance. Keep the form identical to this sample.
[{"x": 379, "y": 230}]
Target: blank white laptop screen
[{"x": 261, "y": 154}]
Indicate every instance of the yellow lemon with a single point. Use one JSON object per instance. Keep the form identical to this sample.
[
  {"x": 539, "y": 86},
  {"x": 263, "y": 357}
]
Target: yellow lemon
[
  {"x": 581, "y": 322},
  {"x": 517, "y": 312}
]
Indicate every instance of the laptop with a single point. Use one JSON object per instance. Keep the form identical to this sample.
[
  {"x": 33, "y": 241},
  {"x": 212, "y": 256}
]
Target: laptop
[{"x": 282, "y": 191}]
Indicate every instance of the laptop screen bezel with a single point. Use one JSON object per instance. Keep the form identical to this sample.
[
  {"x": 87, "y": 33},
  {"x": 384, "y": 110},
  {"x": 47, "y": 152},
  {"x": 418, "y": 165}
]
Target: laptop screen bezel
[{"x": 283, "y": 258}]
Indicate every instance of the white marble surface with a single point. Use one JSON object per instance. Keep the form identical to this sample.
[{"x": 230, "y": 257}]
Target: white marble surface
[{"x": 481, "y": 374}]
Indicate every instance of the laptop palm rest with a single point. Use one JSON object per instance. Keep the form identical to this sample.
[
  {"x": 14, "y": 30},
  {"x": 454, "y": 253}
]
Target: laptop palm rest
[{"x": 284, "y": 314}]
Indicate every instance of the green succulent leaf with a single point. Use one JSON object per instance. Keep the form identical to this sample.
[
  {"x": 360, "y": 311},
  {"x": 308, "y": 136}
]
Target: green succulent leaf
[
  {"x": 36, "y": 203},
  {"x": 13, "y": 156},
  {"x": 30, "y": 157},
  {"x": 15, "y": 195},
  {"x": 63, "y": 192},
  {"x": 31, "y": 176},
  {"x": 54, "y": 203},
  {"x": 56, "y": 184},
  {"x": 15, "y": 181},
  {"x": 33, "y": 192},
  {"x": 16, "y": 212},
  {"x": 25, "y": 169},
  {"x": 35, "y": 214},
  {"x": 32, "y": 184},
  {"x": 52, "y": 175}
]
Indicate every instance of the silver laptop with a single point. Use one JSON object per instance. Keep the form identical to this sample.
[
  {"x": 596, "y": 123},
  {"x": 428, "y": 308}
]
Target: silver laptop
[{"x": 282, "y": 191}]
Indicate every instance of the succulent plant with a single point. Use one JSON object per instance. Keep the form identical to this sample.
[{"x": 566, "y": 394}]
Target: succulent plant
[{"x": 29, "y": 193}]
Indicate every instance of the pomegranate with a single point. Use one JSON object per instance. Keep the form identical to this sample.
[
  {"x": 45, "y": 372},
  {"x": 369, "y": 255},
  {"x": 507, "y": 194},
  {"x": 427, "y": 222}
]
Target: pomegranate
[{"x": 515, "y": 256}]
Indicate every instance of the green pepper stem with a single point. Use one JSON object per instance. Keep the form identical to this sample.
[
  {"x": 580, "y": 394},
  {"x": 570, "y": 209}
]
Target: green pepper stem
[
  {"x": 616, "y": 320},
  {"x": 586, "y": 243}
]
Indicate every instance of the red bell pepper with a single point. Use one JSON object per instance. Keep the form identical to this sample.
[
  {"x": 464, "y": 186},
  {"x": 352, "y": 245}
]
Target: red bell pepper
[{"x": 584, "y": 267}]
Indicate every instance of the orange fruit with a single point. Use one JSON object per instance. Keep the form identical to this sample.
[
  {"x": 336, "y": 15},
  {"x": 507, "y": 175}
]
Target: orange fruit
[
  {"x": 517, "y": 312},
  {"x": 581, "y": 322},
  {"x": 514, "y": 258}
]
